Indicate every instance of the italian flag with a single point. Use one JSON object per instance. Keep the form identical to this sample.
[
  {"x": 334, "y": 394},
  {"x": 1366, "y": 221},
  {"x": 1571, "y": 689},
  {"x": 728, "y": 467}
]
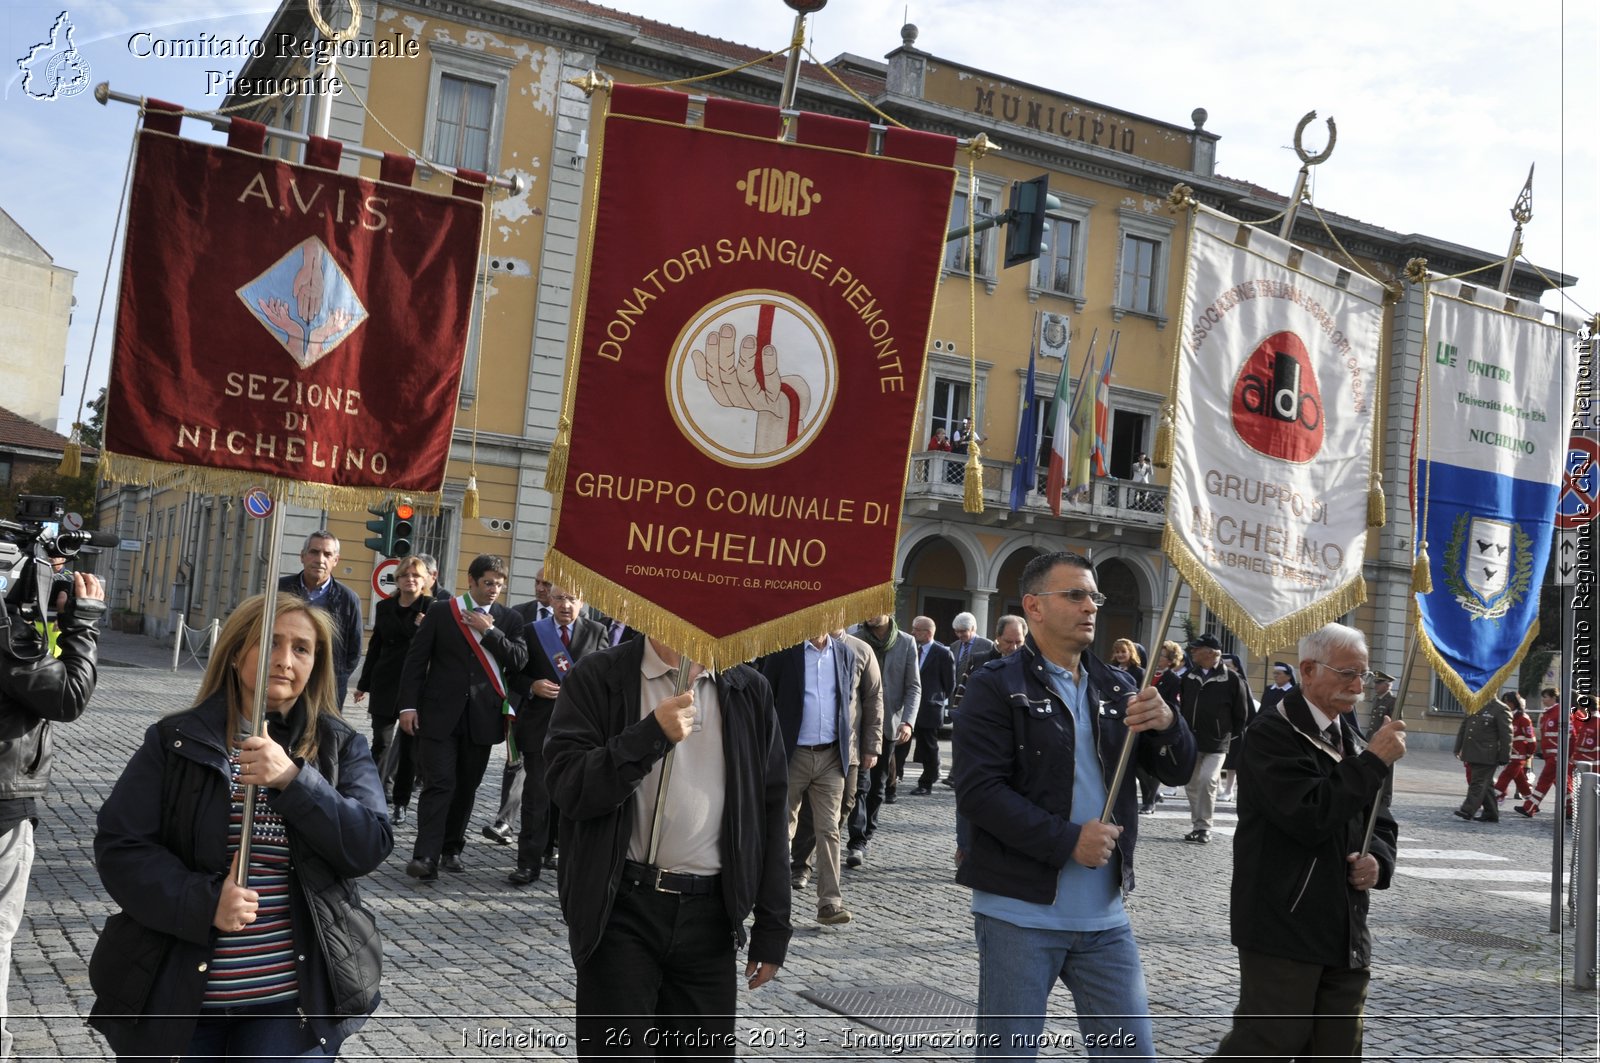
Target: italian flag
[{"x": 1056, "y": 479}]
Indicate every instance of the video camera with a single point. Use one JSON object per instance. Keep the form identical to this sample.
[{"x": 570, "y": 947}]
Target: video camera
[{"x": 29, "y": 546}]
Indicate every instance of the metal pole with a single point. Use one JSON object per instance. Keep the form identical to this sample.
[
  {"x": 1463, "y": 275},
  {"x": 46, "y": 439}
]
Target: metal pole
[
  {"x": 1522, "y": 214},
  {"x": 1558, "y": 840},
  {"x": 177, "y": 643},
  {"x": 1583, "y": 955},
  {"x": 1126, "y": 754},
  {"x": 791, "y": 68},
  {"x": 258, "y": 708},
  {"x": 679, "y": 685},
  {"x": 1307, "y": 160},
  {"x": 1399, "y": 705}
]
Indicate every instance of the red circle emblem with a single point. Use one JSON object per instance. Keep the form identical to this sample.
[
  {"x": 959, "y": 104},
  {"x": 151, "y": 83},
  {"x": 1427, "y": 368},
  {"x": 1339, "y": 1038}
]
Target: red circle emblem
[{"x": 1277, "y": 406}]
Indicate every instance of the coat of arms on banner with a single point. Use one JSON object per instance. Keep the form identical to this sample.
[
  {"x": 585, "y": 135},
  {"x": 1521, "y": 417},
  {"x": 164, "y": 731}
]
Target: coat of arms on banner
[
  {"x": 1490, "y": 566},
  {"x": 1054, "y": 335}
]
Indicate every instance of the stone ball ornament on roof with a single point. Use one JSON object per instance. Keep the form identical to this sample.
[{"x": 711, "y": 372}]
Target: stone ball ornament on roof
[{"x": 807, "y": 7}]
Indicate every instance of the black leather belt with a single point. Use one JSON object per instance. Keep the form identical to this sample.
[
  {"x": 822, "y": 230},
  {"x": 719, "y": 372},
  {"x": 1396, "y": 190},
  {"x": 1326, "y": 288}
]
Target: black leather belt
[
  {"x": 819, "y": 748},
  {"x": 669, "y": 881}
]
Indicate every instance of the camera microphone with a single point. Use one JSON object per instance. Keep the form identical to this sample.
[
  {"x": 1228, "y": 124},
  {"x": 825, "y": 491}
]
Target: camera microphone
[{"x": 72, "y": 542}]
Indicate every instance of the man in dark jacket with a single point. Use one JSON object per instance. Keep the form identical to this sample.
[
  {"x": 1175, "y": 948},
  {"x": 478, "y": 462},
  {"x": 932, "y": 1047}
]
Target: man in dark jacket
[
  {"x": 453, "y": 698},
  {"x": 936, "y": 667},
  {"x": 1215, "y": 704},
  {"x": 1483, "y": 742},
  {"x": 1037, "y": 741},
  {"x": 1300, "y": 885},
  {"x": 36, "y": 690},
  {"x": 315, "y": 583},
  {"x": 656, "y": 888}
]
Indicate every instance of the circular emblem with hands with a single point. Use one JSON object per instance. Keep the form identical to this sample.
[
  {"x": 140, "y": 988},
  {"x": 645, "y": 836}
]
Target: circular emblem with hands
[{"x": 752, "y": 378}]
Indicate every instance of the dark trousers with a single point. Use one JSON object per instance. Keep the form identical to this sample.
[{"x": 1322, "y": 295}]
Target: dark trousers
[
  {"x": 452, "y": 768},
  {"x": 537, "y": 836},
  {"x": 1293, "y": 1010},
  {"x": 661, "y": 982},
  {"x": 1149, "y": 787},
  {"x": 878, "y": 786},
  {"x": 513, "y": 779},
  {"x": 383, "y": 728},
  {"x": 927, "y": 739},
  {"x": 1480, "y": 791},
  {"x": 403, "y": 772}
]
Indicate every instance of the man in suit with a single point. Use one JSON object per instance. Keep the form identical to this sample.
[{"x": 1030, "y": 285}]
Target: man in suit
[
  {"x": 936, "y": 666},
  {"x": 453, "y": 692},
  {"x": 315, "y": 583},
  {"x": 555, "y": 644},
  {"x": 507, "y": 817},
  {"x": 967, "y": 643},
  {"x": 830, "y": 711}
]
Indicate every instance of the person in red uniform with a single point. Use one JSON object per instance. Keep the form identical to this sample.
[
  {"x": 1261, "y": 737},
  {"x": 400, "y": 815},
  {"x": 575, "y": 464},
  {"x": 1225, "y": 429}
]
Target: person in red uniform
[
  {"x": 1523, "y": 745},
  {"x": 1585, "y": 741},
  {"x": 1549, "y": 744}
]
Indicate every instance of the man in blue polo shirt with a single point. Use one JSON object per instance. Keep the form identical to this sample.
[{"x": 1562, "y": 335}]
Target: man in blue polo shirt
[{"x": 1036, "y": 741}]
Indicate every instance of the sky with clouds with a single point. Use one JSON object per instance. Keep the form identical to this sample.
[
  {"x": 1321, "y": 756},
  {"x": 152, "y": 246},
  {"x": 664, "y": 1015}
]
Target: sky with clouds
[{"x": 1441, "y": 108}]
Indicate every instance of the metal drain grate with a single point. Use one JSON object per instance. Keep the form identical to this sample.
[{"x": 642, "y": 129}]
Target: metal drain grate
[
  {"x": 897, "y": 1008},
  {"x": 1474, "y": 937}
]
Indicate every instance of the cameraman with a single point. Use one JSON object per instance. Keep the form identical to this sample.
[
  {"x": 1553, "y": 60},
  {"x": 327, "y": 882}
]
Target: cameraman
[{"x": 36, "y": 689}]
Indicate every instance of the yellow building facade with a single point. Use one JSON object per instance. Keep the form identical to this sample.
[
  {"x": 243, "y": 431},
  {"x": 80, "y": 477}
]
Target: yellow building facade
[{"x": 488, "y": 86}]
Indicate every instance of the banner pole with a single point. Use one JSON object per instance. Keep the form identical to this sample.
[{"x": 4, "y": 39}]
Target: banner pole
[
  {"x": 1149, "y": 673},
  {"x": 258, "y": 708},
  {"x": 679, "y": 685},
  {"x": 1399, "y": 706}
]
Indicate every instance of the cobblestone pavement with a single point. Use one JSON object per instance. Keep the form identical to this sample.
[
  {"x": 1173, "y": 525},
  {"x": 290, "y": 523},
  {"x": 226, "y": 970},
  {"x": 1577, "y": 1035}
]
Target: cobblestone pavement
[{"x": 476, "y": 969}]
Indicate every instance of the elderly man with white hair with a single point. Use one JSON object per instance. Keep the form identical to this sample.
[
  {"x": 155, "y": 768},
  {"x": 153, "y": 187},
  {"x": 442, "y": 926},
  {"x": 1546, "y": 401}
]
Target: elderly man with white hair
[
  {"x": 967, "y": 643},
  {"x": 1301, "y": 885}
]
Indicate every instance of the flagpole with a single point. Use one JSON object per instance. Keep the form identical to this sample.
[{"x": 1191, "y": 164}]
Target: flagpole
[
  {"x": 1307, "y": 160},
  {"x": 679, "y": 685},
  {"x": 1126, "y": 753},
  {"x": 258, "y": 707}
]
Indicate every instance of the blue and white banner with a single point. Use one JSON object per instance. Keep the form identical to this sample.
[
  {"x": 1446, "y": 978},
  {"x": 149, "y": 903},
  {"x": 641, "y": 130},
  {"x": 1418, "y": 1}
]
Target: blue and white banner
[{"x": 1492, "y": 434}]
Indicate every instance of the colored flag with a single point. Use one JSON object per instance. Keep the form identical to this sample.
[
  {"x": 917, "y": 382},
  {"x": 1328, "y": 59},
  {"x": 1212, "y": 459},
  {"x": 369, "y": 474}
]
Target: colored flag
[
  {"x": 1102, "y": 409},
  {"x": 1025, "y": 467},
  {"x": 1080, "y": 464},
  {"x": 1272, "y": 441},
  {"x": 746, "y": 335},
  {"x": 1061, "y": 421},
  {"x": 1492, "y": 450}
]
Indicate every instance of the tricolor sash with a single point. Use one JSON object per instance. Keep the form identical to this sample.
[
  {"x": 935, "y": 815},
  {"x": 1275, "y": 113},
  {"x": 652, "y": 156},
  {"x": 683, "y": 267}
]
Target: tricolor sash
[
  {"x": 554, "y": 649},
  {"x": 459, "y": 607}
]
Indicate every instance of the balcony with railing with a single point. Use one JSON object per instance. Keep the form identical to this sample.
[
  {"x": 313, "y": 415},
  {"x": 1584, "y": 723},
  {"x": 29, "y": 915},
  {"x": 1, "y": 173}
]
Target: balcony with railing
[{"x": 937, "y": 478}]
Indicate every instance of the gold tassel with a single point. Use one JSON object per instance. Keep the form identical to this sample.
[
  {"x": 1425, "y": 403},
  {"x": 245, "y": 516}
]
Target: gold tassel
[
  {"x": 1377, "y": 506},
  {"x": 469, "y": 498},
  {"x": 1164, "y": 433},
  {"x": 72, "y": 456},
  {"x": 1422, "y": 572},
  {"x": 973, "y": 500},
  {"x": 555, "y": 473}
]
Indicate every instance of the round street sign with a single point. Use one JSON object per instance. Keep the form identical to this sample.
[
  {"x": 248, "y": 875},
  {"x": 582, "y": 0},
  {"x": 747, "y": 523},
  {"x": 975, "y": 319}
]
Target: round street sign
[
  {"x": 72, "y": 522},
  {"x": 383, "y": 577},
  {"x": 1580, "y": 484},
  {"x": 257, "y": 502}
]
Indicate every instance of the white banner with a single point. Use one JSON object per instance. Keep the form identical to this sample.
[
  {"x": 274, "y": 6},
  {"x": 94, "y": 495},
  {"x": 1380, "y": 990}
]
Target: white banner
[{"x": 1267, "y": 515}]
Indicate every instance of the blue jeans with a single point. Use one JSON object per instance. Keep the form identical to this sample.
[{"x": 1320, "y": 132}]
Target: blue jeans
[
  {"x": 255, "y": 1034},
  {"x": 1017, "y": 966}
]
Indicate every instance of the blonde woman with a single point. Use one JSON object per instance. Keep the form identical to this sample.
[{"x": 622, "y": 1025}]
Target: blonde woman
[{"x": 194, "y": 964}]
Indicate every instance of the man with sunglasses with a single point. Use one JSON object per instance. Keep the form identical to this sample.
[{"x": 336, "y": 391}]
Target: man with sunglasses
[
  {"x": 1037, "y": 743},
  {"x": 1300, "y": 883}
]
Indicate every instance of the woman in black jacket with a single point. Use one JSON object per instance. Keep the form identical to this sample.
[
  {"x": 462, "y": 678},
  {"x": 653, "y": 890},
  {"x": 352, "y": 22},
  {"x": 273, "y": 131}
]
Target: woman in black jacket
[
  {"x": 394, "y": 622},
  {"x": 194, "y": 964}
]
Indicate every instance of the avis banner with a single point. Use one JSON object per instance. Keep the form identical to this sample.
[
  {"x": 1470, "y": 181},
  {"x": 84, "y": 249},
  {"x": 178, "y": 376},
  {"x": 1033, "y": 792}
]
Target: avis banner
[
  {"x": 288, "y": 325},
  {"x": 1277, "y": 364},
  {"x": 740, "y": 408},
  {"x": 1493, "y": 417}
]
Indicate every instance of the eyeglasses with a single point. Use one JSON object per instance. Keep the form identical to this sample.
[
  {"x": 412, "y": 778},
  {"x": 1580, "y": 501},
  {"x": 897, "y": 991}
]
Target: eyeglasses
[
  {"x": 1348, "y": 674},
  {"x": 1077, "y": 596}
]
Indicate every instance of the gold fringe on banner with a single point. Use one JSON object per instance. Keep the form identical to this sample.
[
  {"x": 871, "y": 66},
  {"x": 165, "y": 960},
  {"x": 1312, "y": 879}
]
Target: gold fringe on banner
[
  {"x": 555, "y": 470},
  {"x": 619, "y": 602},
  {"x": 1166, "y": 429},
  {"x": 123, "y": 469},
  {"x": 1259, "y": 638},
  {"x": 972, "y": 495},
  {"x": 72, "y": 455},
  {"x": 1421, "y": 571},
  {"x": 469, "y": 497},
  {"x": 1377, "y": 506},
  {"x": 1470, "y": 700}
]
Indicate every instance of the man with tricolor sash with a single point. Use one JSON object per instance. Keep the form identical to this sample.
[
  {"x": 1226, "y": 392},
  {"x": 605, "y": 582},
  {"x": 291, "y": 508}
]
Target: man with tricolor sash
[{"x": 453, "y": 698}]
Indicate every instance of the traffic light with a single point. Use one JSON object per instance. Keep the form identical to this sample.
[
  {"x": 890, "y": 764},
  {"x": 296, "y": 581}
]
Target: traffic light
[
  {"x": 384, "y": 526},
  {"x": 400, "y": 529},
  {"x": 1025, "y": 221}
]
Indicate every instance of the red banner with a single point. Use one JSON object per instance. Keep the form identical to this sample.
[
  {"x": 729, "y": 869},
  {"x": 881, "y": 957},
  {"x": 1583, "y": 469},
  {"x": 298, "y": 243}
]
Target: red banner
[
  {"x": 742, "y": 404},
  {"x": 287, "y": 324}
]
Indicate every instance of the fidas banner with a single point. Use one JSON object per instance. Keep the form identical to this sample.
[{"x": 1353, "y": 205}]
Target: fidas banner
[
  {"x": 1277, "y": 363},
  {"x": 1493, "y": 420},
  {"x": 741, "y": 407},
  {"x": 288, "y": 324}
]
